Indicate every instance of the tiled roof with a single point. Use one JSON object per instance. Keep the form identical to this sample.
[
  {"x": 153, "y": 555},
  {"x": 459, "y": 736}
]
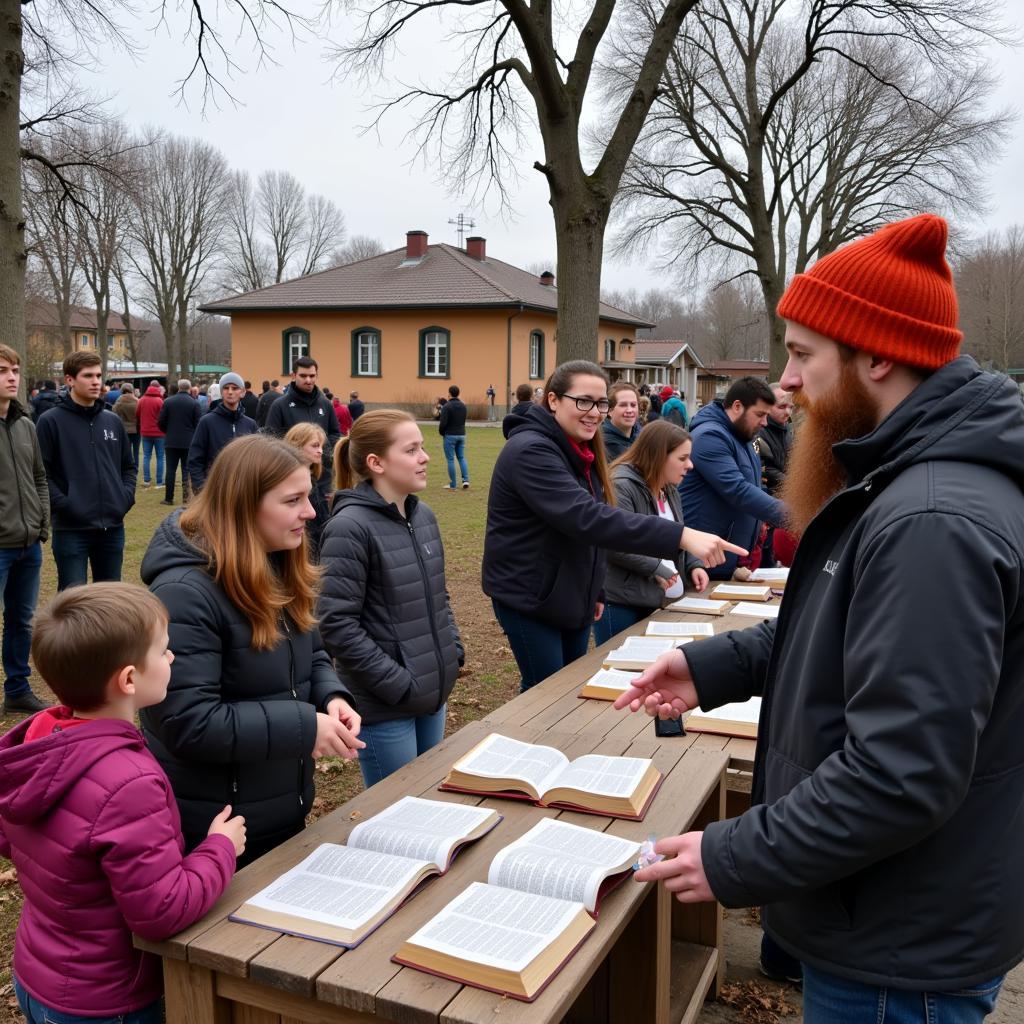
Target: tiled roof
[
  {"x": 663, "y": 350},
  {"x": 731, "y": 365},
  {"x": 445, "y": 277},
  {"x": 44, "y": 314}
]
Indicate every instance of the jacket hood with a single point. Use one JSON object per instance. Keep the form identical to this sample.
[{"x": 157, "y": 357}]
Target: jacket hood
[
  {"x": 363, "y": 495},
  {"x": 15, "y": 411},
  {"x": 305, "y": 397},
  {"x": 35, "y": 776},
  {"x": 170, "y": 549},
  {"x": 88, "y": 411},
  {"x": 960, "y": 413},
  {"x": 153, "y": 391},
  {"x": 713, "y": 412},
  {"x": 223, "y": 410}
]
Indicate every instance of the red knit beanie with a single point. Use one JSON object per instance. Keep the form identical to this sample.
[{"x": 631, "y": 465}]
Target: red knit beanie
[
  {"x": 890, "y": 294},
  {"x": 666, "y": 392}
]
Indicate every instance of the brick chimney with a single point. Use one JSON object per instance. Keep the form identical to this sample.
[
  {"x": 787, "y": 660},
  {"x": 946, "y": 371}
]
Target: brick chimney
[
  {"x": 415, "y": 245},
  {"x": 476, "y": 248},
  {"x": 547, "y": 279}
]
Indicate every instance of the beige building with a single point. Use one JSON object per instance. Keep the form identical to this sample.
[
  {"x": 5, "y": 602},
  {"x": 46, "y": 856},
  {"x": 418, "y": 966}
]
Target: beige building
[
  {"x": 43, "y": 327},
  {"x": 400, "y": 327}
]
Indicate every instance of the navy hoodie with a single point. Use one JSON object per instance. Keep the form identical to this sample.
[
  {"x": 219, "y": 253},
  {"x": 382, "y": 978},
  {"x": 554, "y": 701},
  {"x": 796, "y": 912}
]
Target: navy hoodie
[
  {"x": 216, "y": 429},
  {"x": 89, "y": 466},
  {"x": 547, "y": 526}
]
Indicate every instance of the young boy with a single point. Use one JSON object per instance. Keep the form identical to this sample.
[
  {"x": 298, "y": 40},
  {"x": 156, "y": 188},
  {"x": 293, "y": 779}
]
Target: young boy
[{"x": 89, "y": 819}]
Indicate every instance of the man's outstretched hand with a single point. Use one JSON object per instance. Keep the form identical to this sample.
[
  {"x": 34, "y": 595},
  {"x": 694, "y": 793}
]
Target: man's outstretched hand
[{"x": 664, "y": 690}]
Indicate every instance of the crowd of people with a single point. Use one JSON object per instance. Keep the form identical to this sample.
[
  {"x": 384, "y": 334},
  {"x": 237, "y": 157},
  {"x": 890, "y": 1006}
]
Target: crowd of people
[{"x": 296, "y": 607}]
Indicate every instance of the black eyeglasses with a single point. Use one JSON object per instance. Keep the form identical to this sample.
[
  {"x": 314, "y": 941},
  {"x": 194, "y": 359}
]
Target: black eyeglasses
[{"x": 586, "y": 404}]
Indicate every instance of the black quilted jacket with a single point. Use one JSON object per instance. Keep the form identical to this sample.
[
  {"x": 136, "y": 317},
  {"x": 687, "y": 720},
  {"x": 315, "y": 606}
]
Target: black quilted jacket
[{"x": 384, "y": 611}]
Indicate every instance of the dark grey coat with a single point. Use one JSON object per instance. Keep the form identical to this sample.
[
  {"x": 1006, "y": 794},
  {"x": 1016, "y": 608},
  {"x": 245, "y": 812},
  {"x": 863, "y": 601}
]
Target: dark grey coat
[
  {"x": 384, "y": 611},
  {"x": 630, "y": 578},
  {"x": 237, "y": 725},
  {"x": 887, "y": 834}
]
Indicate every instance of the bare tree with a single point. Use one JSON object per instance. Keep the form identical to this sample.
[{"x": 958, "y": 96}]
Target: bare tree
[
  {"x": 246, "y": 256},
  {"x": 358, "y": 247},
  {"x": 990, "y": 284},
  {"x": 325, "y": 232},
  {"x": 521, "y": 60},
  {"x": 280, "y": 199},
  {"x": 784, "y": 130},
  {"x": 179, "y": 226}
]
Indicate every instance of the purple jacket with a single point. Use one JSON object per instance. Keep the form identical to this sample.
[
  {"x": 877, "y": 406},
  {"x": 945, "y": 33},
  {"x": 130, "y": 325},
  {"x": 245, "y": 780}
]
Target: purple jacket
[{"x": 89, "y": 819}]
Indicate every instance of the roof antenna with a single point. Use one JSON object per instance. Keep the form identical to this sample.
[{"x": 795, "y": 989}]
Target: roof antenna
[{"x": 463, "y": 224}]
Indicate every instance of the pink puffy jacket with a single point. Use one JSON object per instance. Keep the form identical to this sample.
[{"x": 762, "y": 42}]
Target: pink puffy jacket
[{"x": 89, "y": 819}]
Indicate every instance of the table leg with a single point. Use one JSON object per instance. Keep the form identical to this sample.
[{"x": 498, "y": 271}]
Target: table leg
[
  {"x": 640, "y": 963},
  {"x": 190, "y": 996}
]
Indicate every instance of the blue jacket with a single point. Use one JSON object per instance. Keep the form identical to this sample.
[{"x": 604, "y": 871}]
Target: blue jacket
[
  {"x": 722, "y": 494},
  {"x": 547, "y": 528},
  {"x": 216, "y": 429},
  {"x": 89, "y": 466}
]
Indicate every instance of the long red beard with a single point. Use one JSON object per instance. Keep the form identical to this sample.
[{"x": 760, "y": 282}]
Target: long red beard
[{"x": 813, "y": 474}]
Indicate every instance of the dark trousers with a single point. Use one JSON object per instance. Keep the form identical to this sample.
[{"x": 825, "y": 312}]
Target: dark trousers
[
  {"x": 540, "y": 650},
  {"x": 176, "y": 457},
  {"x": 19, "y": 589},
  {"x": 136, "y": 441},
  {"x": 75, "y": 551},
  {"x": 616, "y": 618}
]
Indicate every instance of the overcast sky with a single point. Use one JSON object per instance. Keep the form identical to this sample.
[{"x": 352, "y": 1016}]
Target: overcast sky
[{"x": 292, "y": 116}]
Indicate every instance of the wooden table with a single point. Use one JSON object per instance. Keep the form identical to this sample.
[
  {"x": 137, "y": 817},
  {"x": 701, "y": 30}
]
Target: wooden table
[
  {"x": 219, "y": 971},
  {"x": 554, "y": 704}
]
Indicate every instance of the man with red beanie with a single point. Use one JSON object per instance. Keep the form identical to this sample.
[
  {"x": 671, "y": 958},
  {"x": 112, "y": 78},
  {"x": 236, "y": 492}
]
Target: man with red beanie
[{"x": 886, "y": 833}]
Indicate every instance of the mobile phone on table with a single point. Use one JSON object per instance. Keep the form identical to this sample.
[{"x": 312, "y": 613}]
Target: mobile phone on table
[{"x": 669, "y": 727}]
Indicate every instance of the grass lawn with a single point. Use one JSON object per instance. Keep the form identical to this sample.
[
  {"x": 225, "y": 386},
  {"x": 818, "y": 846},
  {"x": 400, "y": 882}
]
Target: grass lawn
[{"x": 489, "y": 678}]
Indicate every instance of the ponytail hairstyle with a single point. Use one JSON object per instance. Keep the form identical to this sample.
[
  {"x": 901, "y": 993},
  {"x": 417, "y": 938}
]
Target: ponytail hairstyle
[
  {"x": 652, "y": 447},
  {"x": 302, "y": 434},
  {"x": 371, "y": 434},
  {"x": 561, "y": 383},
  {"x": 221, "y": 522}
]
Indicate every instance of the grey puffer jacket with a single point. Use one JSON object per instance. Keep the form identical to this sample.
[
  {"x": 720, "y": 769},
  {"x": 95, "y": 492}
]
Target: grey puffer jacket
[
  {"x": 630, "y": 578},
  {"x": 383, "y": 609},
  {"x": 886, "y": 836}
]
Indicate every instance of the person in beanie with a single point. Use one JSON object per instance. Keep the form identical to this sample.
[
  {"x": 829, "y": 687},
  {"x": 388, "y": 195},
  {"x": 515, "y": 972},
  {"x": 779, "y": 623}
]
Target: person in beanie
[
  {"x": 885, "y": 834},
  {"x": 220, "y": 426}
]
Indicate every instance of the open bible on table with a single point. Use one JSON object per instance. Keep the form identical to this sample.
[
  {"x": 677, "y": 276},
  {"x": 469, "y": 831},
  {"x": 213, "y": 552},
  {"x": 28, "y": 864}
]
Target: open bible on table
[
  {"x": 514, "y": 933},
  {"x": 618, "y": 787},
  {"x": 339, "y": 894}
]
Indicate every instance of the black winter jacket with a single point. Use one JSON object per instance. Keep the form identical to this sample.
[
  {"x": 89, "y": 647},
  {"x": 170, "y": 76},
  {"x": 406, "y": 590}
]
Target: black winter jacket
[
  {"x": 384, "y": 611},
  {"x": 615, "y": 441},
  {"x": 887, "y": 832},
  {"x": 263, "y": 406},
  {"x": 772, "y": 443},
  {"x": 89, "y": 466},
  {"x": 220, "y": 426},
  {"x": 546, "y": 527},
  {"x": 630, "y": 578},
  {"x": 179, "y": 416},
  {"x": 238, "y": 725},
  {"x": 453, "y": 418},
  {"x": 43, "y": 402}
]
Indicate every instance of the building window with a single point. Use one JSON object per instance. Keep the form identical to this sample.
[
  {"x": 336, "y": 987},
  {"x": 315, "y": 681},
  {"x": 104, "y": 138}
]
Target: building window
[
  {"x": 366, "y": 352},
  {"x": 435, "y": 352},
  {"x": 295, "y": 344},
  {"x": 86, "y": 341},
  {"x": 609, "y": 350},
  {"x": 536, "y": 355}
]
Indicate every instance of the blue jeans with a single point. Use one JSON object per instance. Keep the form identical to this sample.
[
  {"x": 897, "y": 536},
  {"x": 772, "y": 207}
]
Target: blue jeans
[
  {"x": 829, "y": 999},
  {"x": 39, "y": 1013},
  {"x": 616, "y": 618},
  {"x": 540, "y": 650},
  {"x": 389, "y": 745},
  {"x": 455, "y": 448},
  {"x": 75, "y": 550},
  {"x": 19, "y": 589},
  {"x": 150, "y": 445}
]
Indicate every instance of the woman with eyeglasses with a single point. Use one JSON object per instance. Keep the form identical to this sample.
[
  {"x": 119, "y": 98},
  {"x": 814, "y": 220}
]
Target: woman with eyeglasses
[{"x": 551, "y": 515}]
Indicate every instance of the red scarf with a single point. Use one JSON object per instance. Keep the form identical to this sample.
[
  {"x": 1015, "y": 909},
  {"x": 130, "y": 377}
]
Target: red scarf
[
  {"x": 55, "y": 719},
  {"x": 586, "y": 454}
]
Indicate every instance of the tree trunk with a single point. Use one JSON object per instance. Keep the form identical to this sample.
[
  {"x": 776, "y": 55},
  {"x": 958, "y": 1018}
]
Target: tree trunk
[
  {"x": 102, "y": 315},
  {"x": 169, "y": 348},
  {"x": 12, "y": 224},
  {"x": 579, "y": 237},
  {"x": 183, "y": 353}
]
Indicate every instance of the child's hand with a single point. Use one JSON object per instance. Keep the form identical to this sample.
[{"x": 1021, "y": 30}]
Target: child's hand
[
  {"x": 233, "y": 828},
  {"x": 335, "y": 739}
]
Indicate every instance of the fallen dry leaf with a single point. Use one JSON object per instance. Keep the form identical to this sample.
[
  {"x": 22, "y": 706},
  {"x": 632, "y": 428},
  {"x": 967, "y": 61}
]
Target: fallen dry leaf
[{"x": 758, "y": 1003}]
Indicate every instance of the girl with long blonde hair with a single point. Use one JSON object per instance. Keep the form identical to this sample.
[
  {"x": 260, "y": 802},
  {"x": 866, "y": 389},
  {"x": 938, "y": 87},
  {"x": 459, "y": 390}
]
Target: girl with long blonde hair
[
  {"x": 383, "y": 607},
  {"x": 310, "y": 439},
  {"x": 253, "y": 697}
]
